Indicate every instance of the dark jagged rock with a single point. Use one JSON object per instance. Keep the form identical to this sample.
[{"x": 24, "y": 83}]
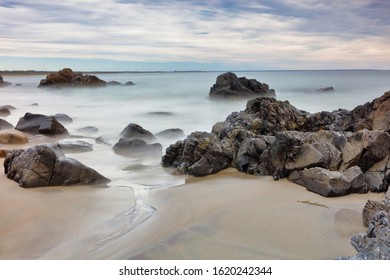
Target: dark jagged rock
[
  {"x": 200, "y": 154},
  {"x": 296, "y": 140},
  {"x": 129, "y": 83},
  {"x": 135, "y": 131},
  {"x": 67, "y": 78},
  {"x": 46, "y": 165},
  {"x": 5, "y": 125},
  {"x": 373, "y": 115},
  {"x": 228, "y": 85},
  {"x": 40, "y": 124},
  {"x": 137, "y": 148},
  {"x": 172, "y": 133}
]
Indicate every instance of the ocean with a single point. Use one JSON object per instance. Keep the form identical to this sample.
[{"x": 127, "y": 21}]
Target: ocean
[{"x": 160, "y": 101}]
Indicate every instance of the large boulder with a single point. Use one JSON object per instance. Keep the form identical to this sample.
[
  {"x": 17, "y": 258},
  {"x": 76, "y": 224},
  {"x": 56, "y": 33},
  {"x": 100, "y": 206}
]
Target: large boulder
[
  {"x": 322, "y": 181},
  {"x": 228, "y": 85},
  {"x": 46, "y": 165},
  {"x": 40, "y": 124},
  {"x": 67, "y": 78}
]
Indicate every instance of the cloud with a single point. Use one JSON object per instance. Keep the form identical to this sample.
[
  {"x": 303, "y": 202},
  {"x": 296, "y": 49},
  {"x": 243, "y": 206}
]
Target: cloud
[{"x": 265, "y": 34}]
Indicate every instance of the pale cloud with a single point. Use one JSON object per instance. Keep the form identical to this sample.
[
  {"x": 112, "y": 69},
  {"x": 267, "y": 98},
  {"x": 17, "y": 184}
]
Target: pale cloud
[{"x": 282, "y": 34}]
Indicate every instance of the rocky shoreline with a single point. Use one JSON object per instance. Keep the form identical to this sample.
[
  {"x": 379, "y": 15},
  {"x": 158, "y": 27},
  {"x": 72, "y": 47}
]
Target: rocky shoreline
[{"x": 330, "y": 153}]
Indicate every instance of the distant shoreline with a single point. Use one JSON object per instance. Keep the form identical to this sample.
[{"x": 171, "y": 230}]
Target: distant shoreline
[{"x": 38, "y": 72}]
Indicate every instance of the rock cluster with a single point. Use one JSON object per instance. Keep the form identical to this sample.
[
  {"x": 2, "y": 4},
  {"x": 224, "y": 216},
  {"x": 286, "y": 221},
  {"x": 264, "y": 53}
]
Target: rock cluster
[
  {"x": 67, "y": 78},
  {"x": 330, "y": 153},
  {"x": 46, "y": 165},
  {"x": 375, "y": 244},
  {"x": 228, "y": 85}
]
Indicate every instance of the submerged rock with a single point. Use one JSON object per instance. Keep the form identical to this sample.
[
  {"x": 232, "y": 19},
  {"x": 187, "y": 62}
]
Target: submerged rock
[
  {"x": 63, "y": 118},
  {"x": 137, "y": 148},
  {"x": 5, "y": 125},
  {"x": 67, "y": 78},
  {"x": 40, "y": 124},
  {"x": 4, "y": 111},
  {"x": 326, "y": 89},
  {"x": 74, "y": 146},
  {"x": 4, "y": 83},
  {"x": 46, "y": 165},
  {"x": 228, "y": 85},
  {"x": 172, "y": 133}
]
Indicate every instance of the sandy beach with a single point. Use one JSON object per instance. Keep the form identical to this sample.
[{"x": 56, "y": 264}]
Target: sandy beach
[{"x": 225, "y": 216}]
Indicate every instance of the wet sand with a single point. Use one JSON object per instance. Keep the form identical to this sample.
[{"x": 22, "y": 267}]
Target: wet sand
[{"x": 225, "y": 216}]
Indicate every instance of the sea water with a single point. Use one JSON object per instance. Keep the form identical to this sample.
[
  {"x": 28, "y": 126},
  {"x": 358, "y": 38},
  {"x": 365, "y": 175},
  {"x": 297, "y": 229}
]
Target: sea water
[{"x": 159, "y": 101}]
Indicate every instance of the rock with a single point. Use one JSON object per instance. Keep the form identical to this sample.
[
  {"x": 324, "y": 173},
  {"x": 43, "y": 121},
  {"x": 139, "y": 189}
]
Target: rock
[
  {"x": 4, "y": 111},
  {"x": 172, "y": 134},
  {"x": 46, "y": 165},
  {"x": 137, "y": 148},
  {"x": 135, "y": 131},
  {"x": 365, "y": 148},
  {"x": 299, "y": 141},
  {"x": 228, "y": 85},
  {"x": 129, "y": 83},
  {"x": 375, "y": 245},
  {"x": 12, "y": 136},
  {"x": 371, "y": 208},
  {"x": 63, "y": 118},
  {"x": 4, "y": 83},
  {"x": 160, "y": 113},
  {"x": 322, "y": 181},
  {"x": 200, "y": 154},
  {"x": 3, "y": 153},
  {"x": 114, "y": 83},
  {"x": 326, "y": 89},
  {"x": 357, "y": 179},
  {"x": 40, "y": 124},
  {"x": 103, "y": 141},
  {"x": 74, "y": 146},
  {"x": 5, "y": 125},
  {"x": 88, "y": 129},
  {"x": 378, "y": 176},
  {"x": 67, "y": 78},
  {"x": 373, "y": 115}
]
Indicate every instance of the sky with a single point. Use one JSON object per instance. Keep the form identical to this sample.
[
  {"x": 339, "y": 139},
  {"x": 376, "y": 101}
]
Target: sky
[{"x": 169, "y": 35}]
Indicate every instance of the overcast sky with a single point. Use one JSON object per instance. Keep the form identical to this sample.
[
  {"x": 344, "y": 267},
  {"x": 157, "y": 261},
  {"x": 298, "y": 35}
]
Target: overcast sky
[{"x": 194, "y": 35}]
